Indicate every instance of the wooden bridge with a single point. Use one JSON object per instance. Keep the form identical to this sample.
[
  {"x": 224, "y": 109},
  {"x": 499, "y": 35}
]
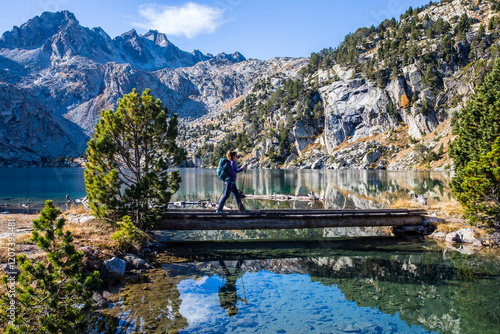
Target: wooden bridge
[{"x": 204, "y": 219}]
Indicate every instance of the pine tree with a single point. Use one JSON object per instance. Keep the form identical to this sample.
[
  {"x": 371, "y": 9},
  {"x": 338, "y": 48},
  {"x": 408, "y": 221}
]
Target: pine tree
[
  {"x": 128, "y": 161},
  {"x": 477, "y": 128},
  {"x": 480, "y": 188},
  {"x": 52, "y": 296}
]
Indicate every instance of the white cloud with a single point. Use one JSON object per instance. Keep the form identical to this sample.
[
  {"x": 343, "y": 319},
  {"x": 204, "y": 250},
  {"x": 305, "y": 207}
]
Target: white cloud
[{"x": 190, "y": 19}]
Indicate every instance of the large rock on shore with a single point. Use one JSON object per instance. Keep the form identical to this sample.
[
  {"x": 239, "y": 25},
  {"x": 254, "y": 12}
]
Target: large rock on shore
[{"x": 115, "y": 267}]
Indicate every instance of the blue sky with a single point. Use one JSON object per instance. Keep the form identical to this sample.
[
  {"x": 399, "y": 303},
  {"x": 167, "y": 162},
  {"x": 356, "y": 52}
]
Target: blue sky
[{"x": 259, "y": 29}]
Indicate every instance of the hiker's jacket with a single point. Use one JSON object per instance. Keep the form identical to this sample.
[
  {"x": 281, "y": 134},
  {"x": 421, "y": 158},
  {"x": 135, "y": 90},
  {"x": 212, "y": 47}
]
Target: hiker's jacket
[{"x": 233, "y": 170}]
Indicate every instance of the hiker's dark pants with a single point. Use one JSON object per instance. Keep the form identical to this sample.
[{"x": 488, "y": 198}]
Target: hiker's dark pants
[{"x": 231, "y": 188}]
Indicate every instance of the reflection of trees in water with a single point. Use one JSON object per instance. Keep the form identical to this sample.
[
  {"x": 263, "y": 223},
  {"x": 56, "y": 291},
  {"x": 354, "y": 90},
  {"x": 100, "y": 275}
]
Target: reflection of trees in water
[
  {"x": 346, "y": 189},
  {"x": 445, "y": 296},
  {"x": 151, "y": 307},
  {"x": 428, "y": 185},
  {"x": 444, "y": 292}
]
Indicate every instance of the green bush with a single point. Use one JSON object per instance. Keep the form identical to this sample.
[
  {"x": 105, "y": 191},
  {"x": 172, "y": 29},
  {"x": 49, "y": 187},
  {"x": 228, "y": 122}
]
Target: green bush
[{"x": 128, "y": 236}]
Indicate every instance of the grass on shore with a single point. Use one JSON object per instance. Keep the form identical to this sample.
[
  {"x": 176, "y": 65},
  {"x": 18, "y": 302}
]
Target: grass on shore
[
  {"x": 92, "y": 233},
  {"x": 442, "y": 209}
]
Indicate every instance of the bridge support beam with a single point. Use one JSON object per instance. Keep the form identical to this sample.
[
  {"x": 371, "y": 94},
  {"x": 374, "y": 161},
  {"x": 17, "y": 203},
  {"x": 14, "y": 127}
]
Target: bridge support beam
[{"x": 287, "y": 219}]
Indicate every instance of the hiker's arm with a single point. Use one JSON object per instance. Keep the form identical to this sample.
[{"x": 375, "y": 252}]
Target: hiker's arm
[{"x": 236, "y": 170}]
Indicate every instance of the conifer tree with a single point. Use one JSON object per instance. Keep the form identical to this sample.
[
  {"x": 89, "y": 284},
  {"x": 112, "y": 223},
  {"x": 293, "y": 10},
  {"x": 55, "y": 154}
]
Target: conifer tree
[
  {"x": 128, "y": 161},
  {"x": 477, "y": 128},
  {"x": 480, "y": 188},
  {"x": 52, "y": 296}
]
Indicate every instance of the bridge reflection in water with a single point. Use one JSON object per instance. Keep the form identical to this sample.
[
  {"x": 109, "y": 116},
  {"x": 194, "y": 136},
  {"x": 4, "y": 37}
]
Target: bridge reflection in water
[{"x": 363, "y": 285}]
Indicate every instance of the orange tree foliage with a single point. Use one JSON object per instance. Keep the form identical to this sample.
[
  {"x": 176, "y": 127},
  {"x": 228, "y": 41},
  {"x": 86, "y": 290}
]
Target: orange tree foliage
[{"x": 405, "y": 102}]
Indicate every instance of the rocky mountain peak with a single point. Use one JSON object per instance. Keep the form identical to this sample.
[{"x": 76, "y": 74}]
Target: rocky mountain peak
[
  {"x": 234, "y": 57},
  {"x": 35, "y": 32},
  {"x": 131, "y": 34},
  {"x": 157, "y": 37}
]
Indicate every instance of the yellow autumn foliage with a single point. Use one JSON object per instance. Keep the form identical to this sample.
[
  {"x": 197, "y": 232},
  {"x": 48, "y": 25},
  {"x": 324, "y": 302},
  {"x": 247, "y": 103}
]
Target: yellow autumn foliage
[{"x": 405, "y": 102}]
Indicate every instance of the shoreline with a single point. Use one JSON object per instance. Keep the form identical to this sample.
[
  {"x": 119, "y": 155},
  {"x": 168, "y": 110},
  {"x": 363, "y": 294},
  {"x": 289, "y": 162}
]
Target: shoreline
[{"x": 184, "y": 165}]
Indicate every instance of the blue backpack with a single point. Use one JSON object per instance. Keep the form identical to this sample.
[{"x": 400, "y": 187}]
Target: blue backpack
[{"x": 222, "y": 169}]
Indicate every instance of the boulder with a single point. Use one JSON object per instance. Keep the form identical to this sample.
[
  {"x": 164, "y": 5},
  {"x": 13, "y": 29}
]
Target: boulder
[
  {"x": 135, "y": 262},
  {"x": 115, "y": 267},
  {"x": 99, "y": 301},
  {"x": 86, "y": 219},
  {"x": 464, "y": 235},
  {"x": 438, "y": 235},
  {"x": 372, "y": 156}
]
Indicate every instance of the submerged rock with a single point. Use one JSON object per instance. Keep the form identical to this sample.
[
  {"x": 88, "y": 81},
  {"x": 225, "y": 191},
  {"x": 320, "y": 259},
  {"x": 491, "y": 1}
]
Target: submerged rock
[
  {"x": 135, "y": 262},
  {"x": 99, "y": 301}
]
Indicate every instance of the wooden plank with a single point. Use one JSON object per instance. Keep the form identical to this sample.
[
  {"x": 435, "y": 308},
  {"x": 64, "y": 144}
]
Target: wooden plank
[
  {"x": 288, "y": 220},
  {"x": 298, "y": 211}
]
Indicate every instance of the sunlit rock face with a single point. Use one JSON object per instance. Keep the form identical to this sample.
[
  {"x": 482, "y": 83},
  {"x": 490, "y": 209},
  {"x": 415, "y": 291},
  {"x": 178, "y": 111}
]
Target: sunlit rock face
[{"x": 354, "y": 109}]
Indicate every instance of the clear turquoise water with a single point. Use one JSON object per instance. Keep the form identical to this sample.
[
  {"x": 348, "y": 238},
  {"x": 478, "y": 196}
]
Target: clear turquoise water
[
  {"x": 371, "y": 285},
  {"x": 341, "y": 188}
]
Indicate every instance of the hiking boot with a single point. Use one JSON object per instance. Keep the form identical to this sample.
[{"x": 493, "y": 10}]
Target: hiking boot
[
  {"x": 244, "y": 211},
  {"x": 218, "y": 211}
]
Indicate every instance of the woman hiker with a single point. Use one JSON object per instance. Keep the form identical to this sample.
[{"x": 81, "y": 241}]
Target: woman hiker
[{"x": 230, "y": 182}]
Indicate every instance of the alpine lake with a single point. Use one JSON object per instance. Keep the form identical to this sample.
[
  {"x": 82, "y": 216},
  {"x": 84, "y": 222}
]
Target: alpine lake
[{"x": 332, "y": 280}]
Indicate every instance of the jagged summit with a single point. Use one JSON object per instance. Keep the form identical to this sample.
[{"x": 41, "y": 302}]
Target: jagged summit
[
  {"x": 36, "y": 31},
  {"x": 59, "y": 36},
  {"x": 56, "y": 76},
  {"x": 158, "y": 38}
]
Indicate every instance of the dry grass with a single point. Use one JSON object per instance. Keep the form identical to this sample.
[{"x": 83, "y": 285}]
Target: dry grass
[
  {"x": 451, "y": 226},
  {"x": 450, "y": 211},
  {"x": 92, "y": 233},
  {"x": 77, "y": 210},
  {"x": 443, "y": 209}
]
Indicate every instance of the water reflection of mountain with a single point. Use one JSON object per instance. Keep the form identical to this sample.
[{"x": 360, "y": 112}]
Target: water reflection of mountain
[
  {"x": 342, "y": 189},
  {"x": 447, "y": 293},
  {"x": 298, "y": 234},
  {"x": 442, "y": 292}
]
